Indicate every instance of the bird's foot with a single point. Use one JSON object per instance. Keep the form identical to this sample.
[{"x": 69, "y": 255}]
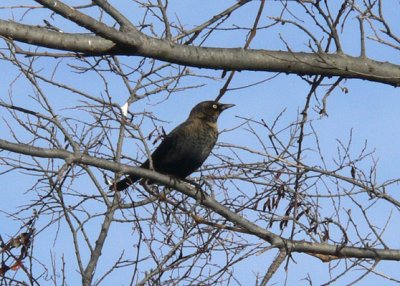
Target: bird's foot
[{"x": 199, "y": 190}]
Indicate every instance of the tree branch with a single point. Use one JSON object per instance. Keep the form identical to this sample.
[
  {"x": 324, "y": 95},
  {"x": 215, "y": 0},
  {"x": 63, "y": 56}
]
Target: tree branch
[
  {"x": 340, "y": 251},
  {"x": 126, "y": 43}
]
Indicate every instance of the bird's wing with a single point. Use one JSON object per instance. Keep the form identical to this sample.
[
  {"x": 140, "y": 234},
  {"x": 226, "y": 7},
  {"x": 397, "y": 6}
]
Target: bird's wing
[{"x": 168, "y": 148}]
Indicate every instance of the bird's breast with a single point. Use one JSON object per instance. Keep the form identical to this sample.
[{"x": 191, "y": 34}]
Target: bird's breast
[{"x": 198, "y": 144}]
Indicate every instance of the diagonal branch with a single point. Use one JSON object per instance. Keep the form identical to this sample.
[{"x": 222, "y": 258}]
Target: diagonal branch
[
  {"x": 128, "y": 43},
  {"x": 274, "y": 267},
  {"x": 133, "y": 39},
  {"x": 276, "y": 241}
]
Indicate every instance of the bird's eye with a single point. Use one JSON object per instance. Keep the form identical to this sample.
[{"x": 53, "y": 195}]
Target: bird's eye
[{"x": 215, "y": 106}]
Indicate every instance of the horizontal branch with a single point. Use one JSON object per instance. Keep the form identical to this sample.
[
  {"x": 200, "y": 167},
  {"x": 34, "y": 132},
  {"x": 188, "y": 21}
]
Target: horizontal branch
[
  {"x": 125, "y": 43},
  {"x": 339, "y": 251}
]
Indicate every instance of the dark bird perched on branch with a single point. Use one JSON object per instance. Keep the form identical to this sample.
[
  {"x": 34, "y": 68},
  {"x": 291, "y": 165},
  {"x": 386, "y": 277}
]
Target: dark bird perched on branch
[{"x": 185, "y": 149}]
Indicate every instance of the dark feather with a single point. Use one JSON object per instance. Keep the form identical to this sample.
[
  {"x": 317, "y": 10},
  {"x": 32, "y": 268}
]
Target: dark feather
[{"x": 186, "y": 148}]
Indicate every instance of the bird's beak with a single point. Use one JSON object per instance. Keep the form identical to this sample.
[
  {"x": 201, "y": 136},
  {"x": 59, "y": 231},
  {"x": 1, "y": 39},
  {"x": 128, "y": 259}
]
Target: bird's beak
[{"x": 222, "y": 107}]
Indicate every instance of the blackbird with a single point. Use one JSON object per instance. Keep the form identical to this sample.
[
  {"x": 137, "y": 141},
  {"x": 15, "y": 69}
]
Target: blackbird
[{"x": 185, "y": 149}]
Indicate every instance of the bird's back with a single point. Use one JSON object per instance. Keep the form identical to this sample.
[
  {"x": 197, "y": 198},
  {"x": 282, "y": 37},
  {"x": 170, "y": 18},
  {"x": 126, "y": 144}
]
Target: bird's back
[{"x": 186, "y": 148}]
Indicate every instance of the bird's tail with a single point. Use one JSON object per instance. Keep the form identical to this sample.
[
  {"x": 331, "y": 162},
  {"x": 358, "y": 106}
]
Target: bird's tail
[{"x": 124, "y": 183}]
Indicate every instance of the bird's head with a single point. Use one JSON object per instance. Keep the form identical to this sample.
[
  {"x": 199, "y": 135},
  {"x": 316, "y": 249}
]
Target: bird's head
[{"x": 209, "y": 110}]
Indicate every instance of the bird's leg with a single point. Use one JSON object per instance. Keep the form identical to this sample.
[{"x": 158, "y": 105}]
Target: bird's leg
[
  {"x": 144, "y": 182},
  {"x": 198, "y": 189}
]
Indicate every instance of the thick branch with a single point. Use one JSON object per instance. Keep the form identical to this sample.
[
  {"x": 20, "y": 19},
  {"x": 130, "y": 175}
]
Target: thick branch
[
  {"x": 213, "y": 58},
  {"x": 339, "y": 251}
]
